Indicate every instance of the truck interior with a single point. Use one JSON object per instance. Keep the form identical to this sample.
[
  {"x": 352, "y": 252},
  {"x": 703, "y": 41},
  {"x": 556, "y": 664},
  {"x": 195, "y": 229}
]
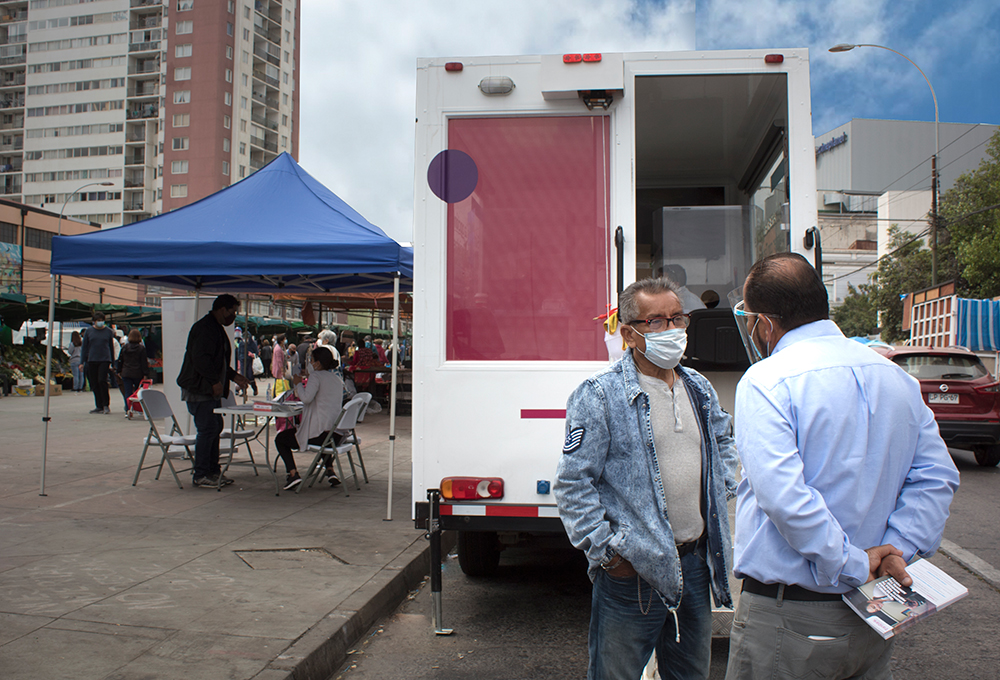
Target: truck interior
[{"x": 711, "y": 185}]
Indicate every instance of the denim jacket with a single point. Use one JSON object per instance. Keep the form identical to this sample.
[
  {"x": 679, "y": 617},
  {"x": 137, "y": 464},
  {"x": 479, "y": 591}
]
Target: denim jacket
[{"x": 609, "y": 486}]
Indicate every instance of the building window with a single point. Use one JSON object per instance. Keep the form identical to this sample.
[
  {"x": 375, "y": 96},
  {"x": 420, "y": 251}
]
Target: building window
[
  {"x": 185, "y": 5},
  {"x": 246, "y": 57},
  {"x": 182, "y": 96},
  {"x": 286, "y": 56},
  {"x": 229, "y": 52},
  {"x": 246, "y": 12},
  {"x": 225, "y": 168},
  {"x": 181, "y": 143},
  {"x": 284, "y": 99},
  {"x": 246, "y": 34},
  {"x": 243, "y": 126},
  {"x": 243, "y": 171},
  {"x": 36, "y": 238},
  {"x": 229, "y": 28},
  {"x": 178, "y": 167},
  {"x": 229, "y": 76},
  {"x": 243, "y": 102},
  {"x": 181, "y": 119},
  {"x": 184, "y": 27},
  {"x": 288, "y": 37},
  {"x": 225, "y": 144},
  {"x": 284, "y": 119},
  {"x": 243, "y": 148},
  {"x": 8, "y": 233},
  {"x": 178, "y": 190},
  {"x": 231, "y": 6},
  {"x": 227, "y": 122},
  {"x": 288, "y": 14},
  {"x": 284, "y": 141},
  {"x": 285, "y": 75},
  {"x": 246, "y": 80},
  {"x": 228, "y": 98},
  {"x": 182, "y": 51},
  {"x": 182, "y": 73}
]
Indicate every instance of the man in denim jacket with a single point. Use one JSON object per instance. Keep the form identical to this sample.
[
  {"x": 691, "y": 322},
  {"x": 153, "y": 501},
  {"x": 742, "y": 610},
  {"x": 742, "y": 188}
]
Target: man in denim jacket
[{"x": 647, "y": 467}]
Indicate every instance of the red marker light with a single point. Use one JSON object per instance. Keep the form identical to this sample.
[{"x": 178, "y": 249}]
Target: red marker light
[
  {"x": 471, "y": 488},
  {"x": 572, "y": 58},
  {"x": 453, "y": 66},
  {"x": 774, "y": 58},
  {"x": 592, "y": 57}
]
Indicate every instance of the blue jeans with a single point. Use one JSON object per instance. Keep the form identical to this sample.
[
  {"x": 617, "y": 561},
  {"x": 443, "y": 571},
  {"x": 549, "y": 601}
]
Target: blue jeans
[
  {"x": 622, "y": 638},
  {"x": 209, "y": 426},
  {"x": 77, "y": 368}
]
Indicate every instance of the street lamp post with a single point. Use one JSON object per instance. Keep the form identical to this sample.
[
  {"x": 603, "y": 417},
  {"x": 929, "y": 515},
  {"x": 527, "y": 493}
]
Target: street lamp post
[
  {"x": 48, "y": 349},
  {"x": 844, "y": 47}
]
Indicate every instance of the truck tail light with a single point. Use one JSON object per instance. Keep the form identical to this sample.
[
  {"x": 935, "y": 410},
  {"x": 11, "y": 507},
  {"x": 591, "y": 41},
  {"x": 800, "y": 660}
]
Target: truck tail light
[
  {"x": 592, "y": 57},
  {"x": 572, "y": 58},
  {"x": 454, "y": 66},
  {"x": 471, "y": 488},
  {"x": 774, "y": 58}
]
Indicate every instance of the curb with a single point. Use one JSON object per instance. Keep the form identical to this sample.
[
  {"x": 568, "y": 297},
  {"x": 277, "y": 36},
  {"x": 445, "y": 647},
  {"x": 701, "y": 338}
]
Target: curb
[
  {"x": 323, "y": 649},
  {"x": 976, "y": 565}
]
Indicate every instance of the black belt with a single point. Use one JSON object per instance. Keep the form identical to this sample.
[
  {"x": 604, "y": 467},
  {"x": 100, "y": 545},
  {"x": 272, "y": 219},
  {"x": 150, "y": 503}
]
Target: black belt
[
  {"x": 752, "y": 585},
  {"x": 689, "y": 547}
]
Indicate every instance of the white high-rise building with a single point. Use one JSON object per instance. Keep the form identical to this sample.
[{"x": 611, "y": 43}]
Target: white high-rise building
[{"x": 170, "y": 100}]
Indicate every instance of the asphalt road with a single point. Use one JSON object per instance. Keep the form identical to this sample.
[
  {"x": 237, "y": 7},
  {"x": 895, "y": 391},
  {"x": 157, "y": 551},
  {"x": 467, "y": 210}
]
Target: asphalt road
[{"x": 530, "y": 621}]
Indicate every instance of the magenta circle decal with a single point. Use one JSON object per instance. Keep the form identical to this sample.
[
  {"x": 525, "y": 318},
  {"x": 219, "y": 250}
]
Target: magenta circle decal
[{"x": 452, "y": 175}]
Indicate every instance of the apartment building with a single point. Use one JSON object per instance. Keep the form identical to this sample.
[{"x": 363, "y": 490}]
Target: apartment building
[{"x": 169, "y": 100}]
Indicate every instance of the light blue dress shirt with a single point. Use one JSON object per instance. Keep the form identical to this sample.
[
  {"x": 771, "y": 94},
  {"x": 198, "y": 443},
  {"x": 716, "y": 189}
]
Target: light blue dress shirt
[{"x": 839, "y": 454}]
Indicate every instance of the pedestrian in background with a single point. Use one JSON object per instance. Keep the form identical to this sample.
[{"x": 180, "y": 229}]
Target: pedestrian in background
[
  {"x": 133, "y": 364},
  {"x": 265, "y": 357},
  {"x": 75, "y": 361},
  {"x": 97, "y": 352},
  {"x": 278, "y": 360}
]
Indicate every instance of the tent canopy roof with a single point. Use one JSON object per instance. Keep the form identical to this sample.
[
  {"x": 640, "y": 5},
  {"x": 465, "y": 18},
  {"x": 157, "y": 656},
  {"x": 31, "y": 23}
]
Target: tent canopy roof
[{"x": 278, "y": 230}]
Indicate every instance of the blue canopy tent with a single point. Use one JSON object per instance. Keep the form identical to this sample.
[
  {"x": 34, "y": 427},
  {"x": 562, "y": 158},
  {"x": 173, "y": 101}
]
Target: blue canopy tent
[{"x": 277, "y": 231}]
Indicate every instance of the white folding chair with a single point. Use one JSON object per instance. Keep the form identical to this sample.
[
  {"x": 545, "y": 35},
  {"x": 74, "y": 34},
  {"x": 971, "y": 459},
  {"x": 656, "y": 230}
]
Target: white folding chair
[
  {"x": 173, "y": 446},
  {"x": 317, "y": 469},
  {"x": 351, "y": 436}
]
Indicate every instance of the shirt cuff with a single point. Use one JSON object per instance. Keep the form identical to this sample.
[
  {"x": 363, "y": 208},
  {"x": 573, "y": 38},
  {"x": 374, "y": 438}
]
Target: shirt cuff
[{"x": 855, "y": 571}]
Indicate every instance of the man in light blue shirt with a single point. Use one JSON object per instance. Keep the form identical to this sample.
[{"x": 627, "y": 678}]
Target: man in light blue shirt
[{"x": 845, "y": 478}]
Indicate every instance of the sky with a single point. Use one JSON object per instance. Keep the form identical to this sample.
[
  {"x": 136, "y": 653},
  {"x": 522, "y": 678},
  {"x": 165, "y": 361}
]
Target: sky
[{"x": 359, "y": 63}]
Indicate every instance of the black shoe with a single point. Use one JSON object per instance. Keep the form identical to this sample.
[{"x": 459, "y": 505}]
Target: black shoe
[
  {"x": 205, "y": 481},
  {"x": 292, "y": 481},
  {"x": 107, "y": 410},
  {"x": 225, "y": 480},
  {"x": 97, "y": 410}
]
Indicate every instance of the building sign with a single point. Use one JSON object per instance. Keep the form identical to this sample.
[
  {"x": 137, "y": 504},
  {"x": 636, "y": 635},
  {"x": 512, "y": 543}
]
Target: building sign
[
  {"x": 10, "y": 268},
  {"x": 832, "y": 144}
]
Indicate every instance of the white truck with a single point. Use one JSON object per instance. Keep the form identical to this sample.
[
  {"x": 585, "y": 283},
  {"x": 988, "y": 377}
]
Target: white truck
[{"x": 544, "y": 184}]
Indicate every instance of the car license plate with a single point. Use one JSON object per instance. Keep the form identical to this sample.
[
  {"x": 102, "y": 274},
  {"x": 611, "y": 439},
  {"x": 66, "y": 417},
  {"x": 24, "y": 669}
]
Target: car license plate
[{"x": 942, "y": 398}]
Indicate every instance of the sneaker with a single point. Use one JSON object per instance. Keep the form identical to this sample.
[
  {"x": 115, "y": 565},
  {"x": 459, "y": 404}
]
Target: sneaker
[
  {"x": 292, "y": 481},
  {"x": 107, "y": 410},
  {"x": 225, "y": 480},
  {"x": 334, "y": 482},
  {"x": 205, "y": 481},
  {"x": 97, "y": 410}
]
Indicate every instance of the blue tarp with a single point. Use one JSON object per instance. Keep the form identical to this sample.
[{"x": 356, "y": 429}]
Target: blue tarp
[
  {"x": 978, "y": 325},
  {"x": 278, "y": 230}
]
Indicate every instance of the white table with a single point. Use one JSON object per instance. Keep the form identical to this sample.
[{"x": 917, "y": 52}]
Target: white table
[{"x": 287, "y": 410}]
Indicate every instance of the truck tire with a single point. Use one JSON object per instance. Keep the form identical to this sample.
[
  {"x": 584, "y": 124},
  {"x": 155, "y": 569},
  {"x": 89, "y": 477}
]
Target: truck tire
[
  {"x": 987, "y": 456},
  {"x": 478, "y": 552}
]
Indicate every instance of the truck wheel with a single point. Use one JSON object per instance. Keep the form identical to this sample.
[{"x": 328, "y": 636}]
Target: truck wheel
[
  {"x": 987, "y": 456},
  {"x": 478, "y": 552}
]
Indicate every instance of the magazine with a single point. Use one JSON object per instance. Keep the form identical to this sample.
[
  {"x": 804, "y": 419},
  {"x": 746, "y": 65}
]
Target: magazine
[{"x": 889, "y": 607}]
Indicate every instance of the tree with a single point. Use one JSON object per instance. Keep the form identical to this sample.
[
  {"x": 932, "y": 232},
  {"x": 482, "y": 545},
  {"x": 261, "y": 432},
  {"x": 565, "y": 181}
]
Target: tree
[
  {"x": 857, "y": 315},
  {"x": 971, "y": 221},
  {"x": 907, "y": 268}
]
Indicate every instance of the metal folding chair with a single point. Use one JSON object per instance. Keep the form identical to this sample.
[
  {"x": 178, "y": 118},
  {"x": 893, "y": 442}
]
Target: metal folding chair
[
  {"x": 231, "y": 439},
  {"x": 351, "y": 436},
  {"x": 173, "y": 446},
  {"x": 329, "y": 449}
]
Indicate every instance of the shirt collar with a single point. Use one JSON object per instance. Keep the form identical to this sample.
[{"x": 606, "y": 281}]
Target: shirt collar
[{"x": 816, "y": 329}]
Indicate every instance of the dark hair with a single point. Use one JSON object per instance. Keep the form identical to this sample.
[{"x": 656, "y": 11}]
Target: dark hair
[
  {"x": 628, "y": 308},
  {"x": 325, "y": 358},
  {"x": 786, "y": 285},
  {"x": 225, "y": 300},
  {"x": 98, "y": 316},
  {"x": 75, "y": 338}
]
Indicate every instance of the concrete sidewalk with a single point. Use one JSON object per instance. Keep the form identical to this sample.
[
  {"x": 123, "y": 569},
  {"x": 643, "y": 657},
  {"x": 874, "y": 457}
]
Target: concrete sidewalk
[{"x": 100, "y": 579}]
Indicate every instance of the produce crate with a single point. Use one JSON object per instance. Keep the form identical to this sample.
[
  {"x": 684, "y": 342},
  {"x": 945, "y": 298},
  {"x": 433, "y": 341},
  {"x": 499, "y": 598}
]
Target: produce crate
[{"x": 54, "y": 390}]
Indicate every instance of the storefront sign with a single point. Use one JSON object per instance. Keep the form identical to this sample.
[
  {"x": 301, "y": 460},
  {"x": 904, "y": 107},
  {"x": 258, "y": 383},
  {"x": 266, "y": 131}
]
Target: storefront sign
[{"x": 832, "y": 144}]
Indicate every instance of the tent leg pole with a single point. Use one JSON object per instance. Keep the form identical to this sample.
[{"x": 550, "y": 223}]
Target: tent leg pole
[
  {"x": 392, "y": 393},
  {"x": 48, "y": 376}
]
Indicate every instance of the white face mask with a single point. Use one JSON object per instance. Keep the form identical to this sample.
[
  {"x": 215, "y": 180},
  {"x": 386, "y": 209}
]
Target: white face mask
[
  {"x": 98, "y": 324},
  {"x": 665, "y": 349}
]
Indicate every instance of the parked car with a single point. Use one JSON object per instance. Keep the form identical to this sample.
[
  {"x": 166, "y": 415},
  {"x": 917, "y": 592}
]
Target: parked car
[{"x": 964, "y": 396}]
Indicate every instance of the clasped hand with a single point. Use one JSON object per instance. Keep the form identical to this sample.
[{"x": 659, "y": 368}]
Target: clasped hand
[{"x": 887, "y": 560}]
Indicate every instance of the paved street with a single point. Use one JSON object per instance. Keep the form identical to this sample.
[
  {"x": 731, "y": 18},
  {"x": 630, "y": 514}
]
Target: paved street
[{"x": 100, "y": 579}]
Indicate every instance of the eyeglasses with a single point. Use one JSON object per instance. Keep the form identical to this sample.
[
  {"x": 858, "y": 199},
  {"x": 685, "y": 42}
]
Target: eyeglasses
[
  {"x": 661, "y": 323},
  {"x": 738, "y": 310}
]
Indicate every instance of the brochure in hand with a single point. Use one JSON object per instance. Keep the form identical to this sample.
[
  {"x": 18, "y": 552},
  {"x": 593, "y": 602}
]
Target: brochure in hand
[{"x": 889, "y": 607}]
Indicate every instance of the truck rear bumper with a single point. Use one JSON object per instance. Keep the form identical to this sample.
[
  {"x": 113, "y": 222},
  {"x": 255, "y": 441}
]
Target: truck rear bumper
[{"x": 471, "y": 517}]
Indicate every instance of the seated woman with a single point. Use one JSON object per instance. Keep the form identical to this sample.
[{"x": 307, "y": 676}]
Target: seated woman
[{"x": 322, "y": 397}]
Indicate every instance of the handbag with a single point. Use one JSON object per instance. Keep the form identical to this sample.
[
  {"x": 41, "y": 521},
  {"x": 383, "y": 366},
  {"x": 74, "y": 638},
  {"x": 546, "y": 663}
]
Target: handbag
[
  {"x": 258, "y": 366},
  {"x": 281, "y": 386}
]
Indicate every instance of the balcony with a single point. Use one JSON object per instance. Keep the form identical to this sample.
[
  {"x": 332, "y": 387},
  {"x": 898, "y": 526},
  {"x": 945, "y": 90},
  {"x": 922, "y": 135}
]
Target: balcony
[
  {"x": 270, "y": 102},
  {"x": 260, "y": 75},
  {"x": 264, "y": 144},
  {"x": 135, "y": 159},
  {"x": 146, "y": 89},
  {"x": 11, "y": 167},
  {"x": 262, "y": 120},
  {"x": 12, "y": 103},
  {"x": 148, "y": 21},
  {"x": 257, "y": 165},
  {"x": 132, "y": 206},
  {"x": 152, "y": 46},
  {"x": 148, "y": 111},
  {"x": 266, "y": 54},
  {"x": 7, "y": 16},
  {"x": 15, "y": 80},
  {"x": 16, "y": 145},
  {"x": 12, "y": 61},
  {"x": 145, "y": 3},
  {"x": 12, "y": 189},
  {"x": 136, "y": 137},
  {"x": 141, "y": 67}
]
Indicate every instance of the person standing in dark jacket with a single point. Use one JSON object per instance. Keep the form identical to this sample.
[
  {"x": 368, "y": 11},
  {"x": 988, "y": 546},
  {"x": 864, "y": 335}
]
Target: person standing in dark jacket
[
  {"x": 133, "y": 365},
  {"x": 265, "y": 357},
  {"x": 97, "y": 354},
  {"x": 204, "y": 381}
]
